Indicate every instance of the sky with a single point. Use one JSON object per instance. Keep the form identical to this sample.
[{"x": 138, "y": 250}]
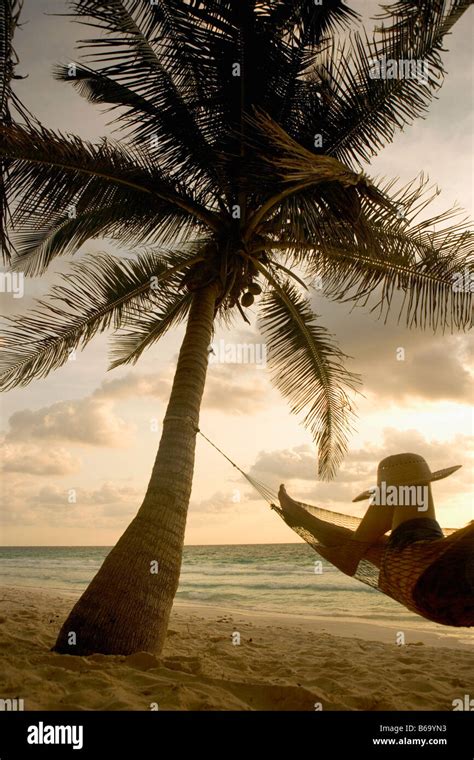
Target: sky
[{"x": 78, "y": 446}]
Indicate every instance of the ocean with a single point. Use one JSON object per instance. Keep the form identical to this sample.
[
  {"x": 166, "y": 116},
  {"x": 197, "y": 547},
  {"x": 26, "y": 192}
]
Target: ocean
[{"x": 271, "y": 578}]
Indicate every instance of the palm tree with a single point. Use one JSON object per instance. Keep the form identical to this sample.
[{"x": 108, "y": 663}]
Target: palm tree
[{"x": 237, "y": 174}]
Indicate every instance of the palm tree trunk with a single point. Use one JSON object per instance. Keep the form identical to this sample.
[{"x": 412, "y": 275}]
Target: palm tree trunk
[{"x": 127, "y": 605}]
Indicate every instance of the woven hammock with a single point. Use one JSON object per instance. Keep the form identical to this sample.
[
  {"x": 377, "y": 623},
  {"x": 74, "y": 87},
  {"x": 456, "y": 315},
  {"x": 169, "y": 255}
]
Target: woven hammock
[{"x": 434, "y": 579}]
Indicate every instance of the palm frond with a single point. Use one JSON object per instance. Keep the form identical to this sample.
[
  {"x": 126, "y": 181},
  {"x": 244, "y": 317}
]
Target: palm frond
[
  {"x": 356, "y": 111},
  {"x": 9, "y": 13},
  {"x": 431, "y": 296},
  {"x": 140, "y": 329},
  {"x": 49, "y": 173},
  {"x": 307, "y": 367},
  {"x": 286, "y": 168},
  {"x": 134, "y": 71},
  {"x": 163, "y": 127},
  {"x": 128, "y": 223},
  {"x": 96, "y": 295},
  {"x": 402, "y": 255},
  {"x": 304, "y": 28},
  {"x": 309, "y": 23}
]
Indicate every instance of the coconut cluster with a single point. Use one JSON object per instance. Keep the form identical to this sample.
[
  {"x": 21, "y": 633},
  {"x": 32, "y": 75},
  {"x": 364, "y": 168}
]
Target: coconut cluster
[{"x": 253, "y": 289}]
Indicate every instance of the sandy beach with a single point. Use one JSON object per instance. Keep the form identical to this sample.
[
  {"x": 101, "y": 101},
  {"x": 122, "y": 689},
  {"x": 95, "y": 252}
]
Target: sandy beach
[{"x": 283, "y": 662}]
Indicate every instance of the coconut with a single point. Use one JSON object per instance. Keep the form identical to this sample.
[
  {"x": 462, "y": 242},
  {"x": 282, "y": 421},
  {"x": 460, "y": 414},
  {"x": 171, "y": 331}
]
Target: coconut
[
  {"x": 247, "y": 299},
  {"x": 255, "y": 289}
]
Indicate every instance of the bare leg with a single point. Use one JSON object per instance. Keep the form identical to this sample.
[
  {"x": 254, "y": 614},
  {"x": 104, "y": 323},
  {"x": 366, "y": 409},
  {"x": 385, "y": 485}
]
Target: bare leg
[
  {"x": 331, "y": 535},
  {"x": 343, "y": 547},
  {"x": 376, "y": 521},
  {"x": 370, "y": 532}
]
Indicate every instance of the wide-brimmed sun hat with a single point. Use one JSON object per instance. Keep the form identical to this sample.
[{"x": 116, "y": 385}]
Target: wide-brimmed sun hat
[{"x": 406, "y": 470}]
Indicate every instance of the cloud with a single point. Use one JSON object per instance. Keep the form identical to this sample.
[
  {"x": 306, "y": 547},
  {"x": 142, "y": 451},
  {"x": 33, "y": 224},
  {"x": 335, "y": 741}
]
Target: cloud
[
  {"x": 30, "y": 459},
  {"x": 88, "y": 421},
  {"x": 235, "y": 389},
  {"x": 218, "y": 503},
  {"x": 134, "y": 386},
  {"x": 433, "y": 371},
  {"x": 297, "y": 466},
  {"x": 231, "y": 388},
  {"x": 52, "y": 496},
  {"x": 111, "y": 505},
  {"x": 299, "y": 463},
  {"x": 429, "y": 367},
  {"x": 437, "y": 453},
  {"x": 109, "y": 493},
  {"x": 396, "y": 364}
]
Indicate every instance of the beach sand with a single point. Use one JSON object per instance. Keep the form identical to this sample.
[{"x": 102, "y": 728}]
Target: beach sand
[{"x": 282, "y": 663}]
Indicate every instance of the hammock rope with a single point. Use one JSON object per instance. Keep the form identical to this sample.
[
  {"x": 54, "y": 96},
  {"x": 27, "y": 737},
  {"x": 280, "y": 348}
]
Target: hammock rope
[{"x": 265, "y": 491}]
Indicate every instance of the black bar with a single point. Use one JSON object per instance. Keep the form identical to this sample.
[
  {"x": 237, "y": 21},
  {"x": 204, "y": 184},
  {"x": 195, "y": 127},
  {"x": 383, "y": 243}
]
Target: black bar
[{"x": 220, "y": 734}]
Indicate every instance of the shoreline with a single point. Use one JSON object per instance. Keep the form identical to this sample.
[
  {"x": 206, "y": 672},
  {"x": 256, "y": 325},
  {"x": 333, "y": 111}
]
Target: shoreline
[{"x": 343, "y": 625}]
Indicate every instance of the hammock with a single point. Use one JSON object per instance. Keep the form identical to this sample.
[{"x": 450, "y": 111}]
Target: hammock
[{"x": 419, "y": 578}]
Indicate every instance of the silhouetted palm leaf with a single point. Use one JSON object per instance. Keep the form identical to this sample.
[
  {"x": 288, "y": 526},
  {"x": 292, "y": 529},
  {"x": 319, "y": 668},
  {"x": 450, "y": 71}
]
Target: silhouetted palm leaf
[
  {"x": 308, "y": 368},
  {"x": 95, "y": 296},
  {"x": 386, "y": 253},
  {"x": 141, "y": 329},
  {"x": 357, "y": 113},
  {"x": 52, "y": 171}
]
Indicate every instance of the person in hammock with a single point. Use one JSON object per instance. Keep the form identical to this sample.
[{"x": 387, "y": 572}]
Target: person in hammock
[{"x": 419, "y": 567}]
